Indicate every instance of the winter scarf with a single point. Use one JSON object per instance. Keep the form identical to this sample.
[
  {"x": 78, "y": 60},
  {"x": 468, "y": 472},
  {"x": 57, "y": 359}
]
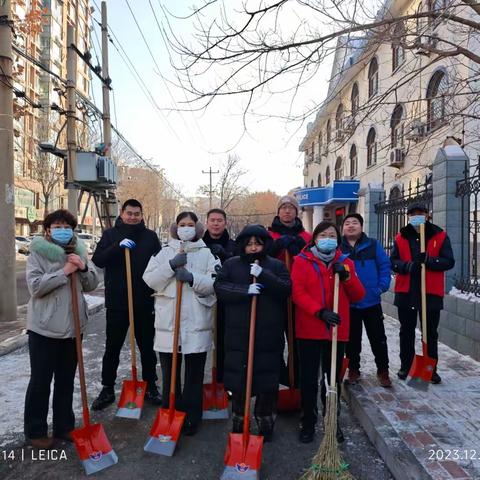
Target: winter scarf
[
  {"x": 324, "y": 257},
  {"x": 279, "y": 227},
  {"x": 55, "y": 252}
]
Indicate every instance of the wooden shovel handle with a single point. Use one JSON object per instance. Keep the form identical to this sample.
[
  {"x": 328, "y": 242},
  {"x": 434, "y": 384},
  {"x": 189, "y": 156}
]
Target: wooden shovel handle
[
  {"x": 423, "y": 286},
  {"x": 176, "y": 331},
  {"x": 290, "y": 339},
  {"x": 78, "y": 346},
  {"x": 333, "y": 366},
  {"x": 128, "y": 270}
]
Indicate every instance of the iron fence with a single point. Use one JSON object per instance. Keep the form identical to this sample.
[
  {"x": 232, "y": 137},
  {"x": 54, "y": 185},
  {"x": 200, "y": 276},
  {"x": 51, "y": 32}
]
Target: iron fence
[
  {"x": 392, "y": 212},
  {"x": 468, "y": 189}
]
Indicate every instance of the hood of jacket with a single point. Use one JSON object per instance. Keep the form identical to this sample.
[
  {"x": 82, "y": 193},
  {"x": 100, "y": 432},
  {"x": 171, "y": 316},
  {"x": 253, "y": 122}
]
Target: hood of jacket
[
  {"x": 279, "y": 227},
  {"x": 199, "y": 229},
  {"x": 53, "y": 252}
]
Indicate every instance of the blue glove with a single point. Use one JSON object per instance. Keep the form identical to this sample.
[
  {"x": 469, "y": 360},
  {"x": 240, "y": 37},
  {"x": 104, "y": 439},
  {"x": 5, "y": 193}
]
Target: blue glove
[
  {"x": 179, "y": 260},
  {"x": 127, "y": 243},
  {"x": 255, "y": 269},
  {"x": 255, "y": 288},
  {"x": 183, "y": 275}
]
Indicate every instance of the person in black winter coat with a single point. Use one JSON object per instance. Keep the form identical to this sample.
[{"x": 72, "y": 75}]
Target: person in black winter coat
[
  {"x": 129, "y": 232},
  {"x": 218, "y": 240},
  {"x": 407, "y": 260},
  {"x": 235, "y": 289}
]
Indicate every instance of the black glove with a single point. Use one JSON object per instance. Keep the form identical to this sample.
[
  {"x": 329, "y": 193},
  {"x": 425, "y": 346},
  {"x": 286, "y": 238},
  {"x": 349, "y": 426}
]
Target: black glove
[
  {"x": 179, "y": 260},
  {"x": 342, "y": 271},
  {"x": 284, "y": 241},
  {"x": 217, "y": 250},
  {"x": 329, "y": 317},
  {"x": 183, "y": 275},
  {"x": 414, "y": 268},
  {"x": 421, "y": 257},
  {"x": 295, "y": 247}
]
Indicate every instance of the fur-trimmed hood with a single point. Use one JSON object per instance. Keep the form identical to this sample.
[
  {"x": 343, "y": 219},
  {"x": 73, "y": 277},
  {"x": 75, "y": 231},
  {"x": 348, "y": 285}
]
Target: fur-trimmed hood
[
  {"x": 199, "y": 231},
  {"x": 53, "y": 252}
]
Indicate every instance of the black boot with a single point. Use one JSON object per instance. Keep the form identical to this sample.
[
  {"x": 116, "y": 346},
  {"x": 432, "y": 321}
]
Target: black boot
[
  {"x": 307, "y": 432},
  {"x": 340, "y": 437},
  {"x": 265, "y": 427},
  {"x": 237, "y": 423},
  {"x": 153, "y": 395},
  {"x": 190, "y": 428},
  {"x": 104, "y": 399}
]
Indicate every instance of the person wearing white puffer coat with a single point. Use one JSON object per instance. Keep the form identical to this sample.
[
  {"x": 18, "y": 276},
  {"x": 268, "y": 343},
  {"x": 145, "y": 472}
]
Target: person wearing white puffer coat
[{"x": 185, "y": 258}]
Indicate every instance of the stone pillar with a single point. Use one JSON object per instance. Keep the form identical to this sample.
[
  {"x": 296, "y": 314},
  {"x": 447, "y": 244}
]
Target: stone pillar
[
  {"x": 317, "y": 215},
  {"x": 448, "y": 167},
  {"x": 373, "y": 195},
  {"x": 305, "y": 218}
]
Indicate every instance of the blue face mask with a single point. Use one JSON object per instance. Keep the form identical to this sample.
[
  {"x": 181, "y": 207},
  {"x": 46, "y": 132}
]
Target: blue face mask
[
  {"x": 416, "y": 220},
  {"x": 61, "y": 235},
  {"x": 326, "y": 245}
]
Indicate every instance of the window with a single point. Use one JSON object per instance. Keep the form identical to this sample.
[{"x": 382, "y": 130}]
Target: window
[
  {"x": 311, "y": 183},
  {"x": 327, "y": 175},
  {"x": 355, "y": 99},
  {"x": 396, "y": 126},
  {"x": 436, "y": 6},
  {"x": 371, "y": 147},
  {"x": 339, "y": 169},
  {"x": 353, "y": 161},
  {"x": 329, "y": 132},
  {"x": 436, "y": 100},
  {"x": 319, "y": 180},
  {"x": 373, "y": 77},
  {"x": 398, "y": 52},
  {"x": 339, "y": 122},
  {"x": 320, "y": 143}
]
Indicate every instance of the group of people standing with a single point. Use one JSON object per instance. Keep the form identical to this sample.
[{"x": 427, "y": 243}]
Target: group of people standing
[{"x": 219, "y": 278}]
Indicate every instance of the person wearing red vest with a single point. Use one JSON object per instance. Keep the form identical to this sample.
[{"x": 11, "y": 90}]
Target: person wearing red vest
[
  {"x": 313, "y": 281},
  {"x": 406, "y": 261},
  {"x": 289, "y": 236}
]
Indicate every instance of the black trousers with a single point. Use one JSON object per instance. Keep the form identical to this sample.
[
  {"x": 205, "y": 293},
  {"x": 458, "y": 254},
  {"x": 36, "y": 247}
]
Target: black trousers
[
  {"x": 117, "y": 328},
  {"x": 220, "y": 350},
  {"x": 265, "y": 404},
  {"x": 190, "y": 399},
  {"x": 408, "y": 321},
  {"x": 284, "y": 378},
  {"x": 50, "y": 358},
  {"x": 372, "y": 318},
  {"x": 315, "y": 359}
]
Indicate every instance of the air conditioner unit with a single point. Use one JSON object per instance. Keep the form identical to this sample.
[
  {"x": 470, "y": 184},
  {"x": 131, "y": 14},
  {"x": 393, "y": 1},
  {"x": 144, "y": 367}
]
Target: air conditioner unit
[
  {"x": 397, "y": 157},
  {"x": 415, "y": 130},
  {"x": 349, "y": 125},
  {"x": 424, "y": 42}
]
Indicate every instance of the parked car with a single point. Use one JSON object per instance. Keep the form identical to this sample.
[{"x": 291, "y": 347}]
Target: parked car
[
  {"x": 89, "y": 240},
  {"x": 23, "y": 244}
]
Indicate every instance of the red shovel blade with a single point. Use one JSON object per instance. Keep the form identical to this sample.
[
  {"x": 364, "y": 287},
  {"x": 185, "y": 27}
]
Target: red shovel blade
[
  {"x": 93, "y": 448},
  {"x": 165, "y": 432},
  {"x": 214, "y": 400},
  {"x": 241, "y": 462},
  {"x": 132, "y": 399},
  {"x": 422, "y": 367},
  {"x": 288, "y": 400}
]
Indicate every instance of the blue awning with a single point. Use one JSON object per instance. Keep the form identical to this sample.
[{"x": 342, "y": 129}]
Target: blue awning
[{"x": 340, "y": 191}]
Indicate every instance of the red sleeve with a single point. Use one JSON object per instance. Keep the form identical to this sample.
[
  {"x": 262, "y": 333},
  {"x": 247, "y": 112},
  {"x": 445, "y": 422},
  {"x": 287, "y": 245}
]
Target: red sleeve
[
  {"x": 300, "y": 295},
  {"x": 353, "y": 286}
]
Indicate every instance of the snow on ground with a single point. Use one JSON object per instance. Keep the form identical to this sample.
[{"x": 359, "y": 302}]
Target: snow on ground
[{"x": 471, "y": 297}]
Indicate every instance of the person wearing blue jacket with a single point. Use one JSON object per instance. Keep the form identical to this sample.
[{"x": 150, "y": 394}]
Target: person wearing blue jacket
[{"x": 373, "y": 268}]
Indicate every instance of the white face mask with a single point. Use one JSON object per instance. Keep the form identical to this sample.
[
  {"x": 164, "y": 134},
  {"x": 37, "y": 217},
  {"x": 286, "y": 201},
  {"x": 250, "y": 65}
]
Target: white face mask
[{"x": 186, "y": 233}]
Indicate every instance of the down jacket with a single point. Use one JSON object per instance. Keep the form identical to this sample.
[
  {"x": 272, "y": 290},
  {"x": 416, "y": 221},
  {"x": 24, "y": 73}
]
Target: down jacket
[
  {"x": 313, "y": 285},
  {"x": 196, "y": 319},
  {"x": 49, "y": 311}
]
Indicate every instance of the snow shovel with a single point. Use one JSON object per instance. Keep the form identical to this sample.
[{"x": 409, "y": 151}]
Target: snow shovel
[
  {"x": 168, "y": 422},
  {"x": 289, "y": 398},
  {"x": 215, "y": 400},
  {"x": 91, "y": 442},
  {"x": 423, "y": 366},
  {"x": 133, "y": 391},
  {"x": 243, "y": 456}
]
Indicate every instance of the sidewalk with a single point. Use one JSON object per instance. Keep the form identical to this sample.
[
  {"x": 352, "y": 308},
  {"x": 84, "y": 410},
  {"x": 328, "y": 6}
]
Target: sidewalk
[{"x": 432, "y": 434}]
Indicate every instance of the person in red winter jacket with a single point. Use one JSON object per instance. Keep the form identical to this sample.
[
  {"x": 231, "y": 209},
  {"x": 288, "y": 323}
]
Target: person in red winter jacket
[{"x": 313, "y": 278}]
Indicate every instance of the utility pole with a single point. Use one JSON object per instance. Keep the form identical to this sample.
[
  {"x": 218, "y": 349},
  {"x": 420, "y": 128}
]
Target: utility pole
[
  {"x": 8, "y": 277},
  {"x": 71, "y": 114},
  {"x": 210, "y": 191},
  {"x": 107, "y": 127}
]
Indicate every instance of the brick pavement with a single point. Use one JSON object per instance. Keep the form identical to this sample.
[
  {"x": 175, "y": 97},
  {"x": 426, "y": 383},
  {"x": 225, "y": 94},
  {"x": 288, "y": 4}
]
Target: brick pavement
[{"x": 422, "y": 434}]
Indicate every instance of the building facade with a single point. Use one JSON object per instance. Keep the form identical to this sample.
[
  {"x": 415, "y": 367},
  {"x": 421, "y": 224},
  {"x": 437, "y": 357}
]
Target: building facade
[{"x": 395, "y": 97}]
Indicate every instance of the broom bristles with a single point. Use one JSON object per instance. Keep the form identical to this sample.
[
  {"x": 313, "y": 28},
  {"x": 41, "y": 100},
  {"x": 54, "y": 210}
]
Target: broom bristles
[{"x": 327, "y": 464}]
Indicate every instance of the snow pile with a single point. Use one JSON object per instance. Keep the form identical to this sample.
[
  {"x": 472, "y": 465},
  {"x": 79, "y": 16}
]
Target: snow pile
[
  {"x": 470, "y": 297},
  {"x": 94, "y": 301}
]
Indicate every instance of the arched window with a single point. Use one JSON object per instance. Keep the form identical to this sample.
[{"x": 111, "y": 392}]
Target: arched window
[
  {"x": 353, "y": 161},
  {"x": 398, "y": 52},
  {"x": 396, "y": 127},
  {"x": 319, "y": 180},
  {"x": 373, "y": 77},
  {"x": 436, "y": 100},
  {"x": 311, "y": 183},
  {"x": 395, "y": 193},
  {"x": 327, "y": 176},
  {"x": 371, "y": 147},
  {"x": 320, "y": 143},
  {"x": 355, "y": 99},
  {"x": 339, "y": 168},
  {"x": 329, "y": 132},
  {"x": 339, "y": 122}
]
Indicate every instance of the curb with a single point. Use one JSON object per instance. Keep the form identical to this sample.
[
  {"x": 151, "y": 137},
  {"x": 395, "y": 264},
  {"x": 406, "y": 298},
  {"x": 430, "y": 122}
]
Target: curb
[
  {"x": 400, "y": 460},
  {"x": 18, "y": 341}
]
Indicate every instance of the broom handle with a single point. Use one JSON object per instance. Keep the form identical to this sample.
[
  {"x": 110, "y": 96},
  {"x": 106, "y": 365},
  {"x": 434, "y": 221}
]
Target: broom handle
[
  {"x": 251, "y": 351},
  {"x": 423, "y": 289},
  {"x": 291, "y": 372},
  {"x": 78, "y": 346},
  {"x": 133, "y": 356},
  {"x": 333, "y": 366},
  {"x": 214, "y": 359}
]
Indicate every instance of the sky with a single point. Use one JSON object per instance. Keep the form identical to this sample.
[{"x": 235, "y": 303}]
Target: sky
[{"x": 185, "y": 143}]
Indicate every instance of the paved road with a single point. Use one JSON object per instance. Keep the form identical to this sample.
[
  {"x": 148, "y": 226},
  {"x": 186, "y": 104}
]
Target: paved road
[{"x": 198, "y": 457}]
